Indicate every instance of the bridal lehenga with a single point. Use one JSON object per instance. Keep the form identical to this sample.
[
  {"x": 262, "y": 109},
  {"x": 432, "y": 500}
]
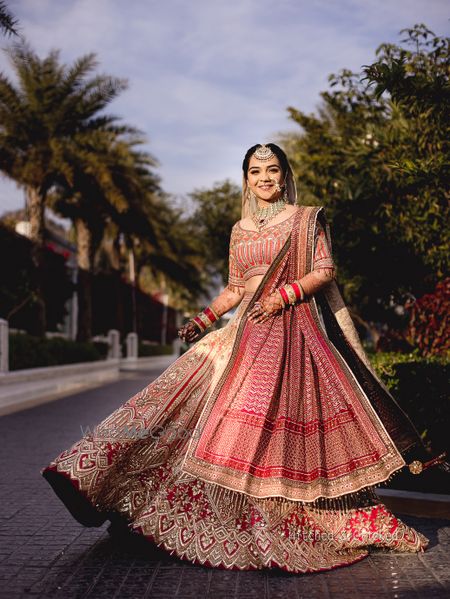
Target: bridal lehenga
[{"x": 262, "y": 445}]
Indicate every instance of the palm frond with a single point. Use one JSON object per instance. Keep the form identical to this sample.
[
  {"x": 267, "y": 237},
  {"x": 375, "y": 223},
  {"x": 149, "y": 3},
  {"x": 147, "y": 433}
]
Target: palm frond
[{"x": 8, "y": 23}]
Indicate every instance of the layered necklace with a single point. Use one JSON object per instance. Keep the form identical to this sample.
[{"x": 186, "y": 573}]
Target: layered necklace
[{"x": 262, "y": 216}]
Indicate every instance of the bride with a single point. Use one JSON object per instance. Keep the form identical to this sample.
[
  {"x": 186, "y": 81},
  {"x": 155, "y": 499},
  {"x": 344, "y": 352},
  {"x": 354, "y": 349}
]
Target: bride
[{"x": 260, "y": 446}]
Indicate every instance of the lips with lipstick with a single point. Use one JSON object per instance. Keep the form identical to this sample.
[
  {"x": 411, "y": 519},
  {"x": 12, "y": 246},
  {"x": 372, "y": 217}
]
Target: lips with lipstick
[{"x": 268, "y": 186}]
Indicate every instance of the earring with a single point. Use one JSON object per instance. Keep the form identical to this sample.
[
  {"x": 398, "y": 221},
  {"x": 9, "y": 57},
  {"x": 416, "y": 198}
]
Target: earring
[
  {"x": 285, "y": 195},
  {"x": 250, "y": 194}
]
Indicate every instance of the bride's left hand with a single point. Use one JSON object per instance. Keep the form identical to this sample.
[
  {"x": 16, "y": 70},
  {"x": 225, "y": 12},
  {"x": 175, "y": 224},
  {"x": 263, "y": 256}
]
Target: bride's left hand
[{"x": 263, "y": 310}]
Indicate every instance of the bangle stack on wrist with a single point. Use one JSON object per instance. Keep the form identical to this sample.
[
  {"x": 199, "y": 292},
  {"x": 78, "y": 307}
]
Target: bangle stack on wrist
[
  {"x": 205, "y": 319},
  {"x": 291, "y": 294}
]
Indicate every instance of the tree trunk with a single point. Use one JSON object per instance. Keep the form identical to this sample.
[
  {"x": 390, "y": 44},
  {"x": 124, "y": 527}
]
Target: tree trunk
[
  {"x": 84, "y": 287},
  {"x": 35, "y": 207},
  {"x": 119, "y": 304}
]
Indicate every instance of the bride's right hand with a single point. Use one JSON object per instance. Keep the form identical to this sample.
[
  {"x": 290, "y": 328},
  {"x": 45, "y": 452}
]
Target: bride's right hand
[{"x": 189, "y": 332}]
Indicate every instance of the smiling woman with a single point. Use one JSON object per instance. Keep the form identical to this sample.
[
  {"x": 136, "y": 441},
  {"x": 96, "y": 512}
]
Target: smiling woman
[{"x": 262, "y": 445}]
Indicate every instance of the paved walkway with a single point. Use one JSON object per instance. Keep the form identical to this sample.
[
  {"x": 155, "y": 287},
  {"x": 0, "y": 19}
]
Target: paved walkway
[{"x": 45, "y": 553}]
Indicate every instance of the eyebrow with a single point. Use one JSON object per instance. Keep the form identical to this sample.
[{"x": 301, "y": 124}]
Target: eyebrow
[{"x": 268, "y": 166}]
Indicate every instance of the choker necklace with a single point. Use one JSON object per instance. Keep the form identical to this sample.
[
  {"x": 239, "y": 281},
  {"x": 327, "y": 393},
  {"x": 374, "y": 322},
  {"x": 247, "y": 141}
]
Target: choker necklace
[{"x": 262, "y": 216}]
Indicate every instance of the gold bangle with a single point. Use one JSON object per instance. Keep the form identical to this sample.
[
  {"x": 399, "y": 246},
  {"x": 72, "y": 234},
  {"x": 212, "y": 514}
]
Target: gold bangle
[
  {"x": 291, "y": 294},
  {"x": 204, "y": 318},
  {"x": 214, "y": 312}
]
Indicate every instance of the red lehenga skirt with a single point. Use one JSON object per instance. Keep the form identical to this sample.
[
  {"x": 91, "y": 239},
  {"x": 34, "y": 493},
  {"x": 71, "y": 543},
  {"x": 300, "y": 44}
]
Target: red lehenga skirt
[{"x": 131, "y": 466}]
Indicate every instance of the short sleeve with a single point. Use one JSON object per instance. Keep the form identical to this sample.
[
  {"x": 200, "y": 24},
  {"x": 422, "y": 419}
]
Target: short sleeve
[
  {"x": 235, "y": 277},
  {"x": 322, "y": 254}
]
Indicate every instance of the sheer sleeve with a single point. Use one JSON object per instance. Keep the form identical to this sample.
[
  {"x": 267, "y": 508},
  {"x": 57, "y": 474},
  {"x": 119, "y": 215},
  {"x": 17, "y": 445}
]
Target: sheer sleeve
[
  {"x": 323, "y": 271},
  {"x": 322, "y": 253},
  {"x": 235, "y": 277}
]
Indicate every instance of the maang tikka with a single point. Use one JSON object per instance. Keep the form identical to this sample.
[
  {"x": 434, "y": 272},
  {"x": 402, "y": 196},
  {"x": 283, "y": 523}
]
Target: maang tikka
[{"x": 263, "y": 153}]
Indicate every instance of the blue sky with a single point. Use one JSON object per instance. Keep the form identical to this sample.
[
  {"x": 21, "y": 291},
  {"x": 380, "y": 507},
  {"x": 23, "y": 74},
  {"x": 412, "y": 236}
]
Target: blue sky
[{"x": 209, "y": 78}]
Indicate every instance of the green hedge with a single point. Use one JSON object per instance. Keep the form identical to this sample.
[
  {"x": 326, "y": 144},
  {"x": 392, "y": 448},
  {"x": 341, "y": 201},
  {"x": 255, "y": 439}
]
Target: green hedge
[
  {"x": 421, "y": 387},
  {"x": 26, "y": 351},
  {"x": 145, "y": 349}
]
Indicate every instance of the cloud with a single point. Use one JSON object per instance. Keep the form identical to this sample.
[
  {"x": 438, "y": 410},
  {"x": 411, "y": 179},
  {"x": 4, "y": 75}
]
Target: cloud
[{"x": 208, "y": 78}]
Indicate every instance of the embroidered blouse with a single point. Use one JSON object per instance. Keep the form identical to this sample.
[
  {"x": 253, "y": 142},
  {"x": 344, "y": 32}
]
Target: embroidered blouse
[{"x": 252, "y": 252}]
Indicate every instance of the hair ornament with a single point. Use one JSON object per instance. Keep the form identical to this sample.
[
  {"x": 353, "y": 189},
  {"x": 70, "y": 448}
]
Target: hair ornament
[{"x": 263, "y": 153}]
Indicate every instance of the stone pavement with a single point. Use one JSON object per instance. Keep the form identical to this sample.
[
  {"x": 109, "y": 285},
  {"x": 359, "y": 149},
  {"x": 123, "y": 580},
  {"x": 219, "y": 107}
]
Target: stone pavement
[{"x": 45, "y": 553}]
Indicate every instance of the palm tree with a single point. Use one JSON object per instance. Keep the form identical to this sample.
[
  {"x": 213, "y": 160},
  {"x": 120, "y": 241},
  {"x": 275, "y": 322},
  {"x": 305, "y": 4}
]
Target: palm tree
[
  {"x": 155, "y": 231},
  {"x": 90, "y": 199},
  {"x": 8, "y": 23},
  {"x": 48, "y": 126},
  {"x": 114, "y": 183}
]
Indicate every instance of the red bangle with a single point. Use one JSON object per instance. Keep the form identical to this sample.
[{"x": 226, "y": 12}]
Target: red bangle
[
  {"x": 199, "y": 323},
  {"x": 297, "y": 291},
  {"x": 210, "y": 314},
  {"x": 284, "y": 295}
]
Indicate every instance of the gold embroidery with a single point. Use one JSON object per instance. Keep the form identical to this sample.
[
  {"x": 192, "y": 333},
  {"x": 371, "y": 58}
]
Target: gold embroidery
[{"x": 133, "y": 464}]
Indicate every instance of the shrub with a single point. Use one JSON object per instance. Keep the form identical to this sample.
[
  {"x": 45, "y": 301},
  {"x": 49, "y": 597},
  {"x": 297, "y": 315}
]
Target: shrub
[
  {"x": 102, "y": 348},
  {"x": 26, "y": 351},
  {"x": 420, "y": 385},
  {"x": 145, "y": 349},
  {"x": 429, "y": 321}
]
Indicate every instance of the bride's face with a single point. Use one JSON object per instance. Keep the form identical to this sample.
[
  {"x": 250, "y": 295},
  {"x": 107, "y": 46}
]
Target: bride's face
[{"x": 264, "y": 178}]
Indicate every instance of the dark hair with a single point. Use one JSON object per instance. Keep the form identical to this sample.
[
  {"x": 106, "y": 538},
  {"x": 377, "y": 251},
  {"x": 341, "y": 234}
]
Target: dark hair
[{"x": 279, "y": 153}]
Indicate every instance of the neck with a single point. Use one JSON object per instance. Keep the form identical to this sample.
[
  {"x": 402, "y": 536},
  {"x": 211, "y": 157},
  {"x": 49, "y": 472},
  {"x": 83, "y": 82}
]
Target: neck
[
  {"x": 266, "y": 203},
  {"x": 263, "y": 203}
]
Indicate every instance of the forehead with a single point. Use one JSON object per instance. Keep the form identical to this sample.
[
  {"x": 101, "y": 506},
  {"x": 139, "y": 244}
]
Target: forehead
[{"x": 254, "y": 162}]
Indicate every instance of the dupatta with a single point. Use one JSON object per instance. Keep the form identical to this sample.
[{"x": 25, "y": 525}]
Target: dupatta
[{"x": 299, "y": 412}]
